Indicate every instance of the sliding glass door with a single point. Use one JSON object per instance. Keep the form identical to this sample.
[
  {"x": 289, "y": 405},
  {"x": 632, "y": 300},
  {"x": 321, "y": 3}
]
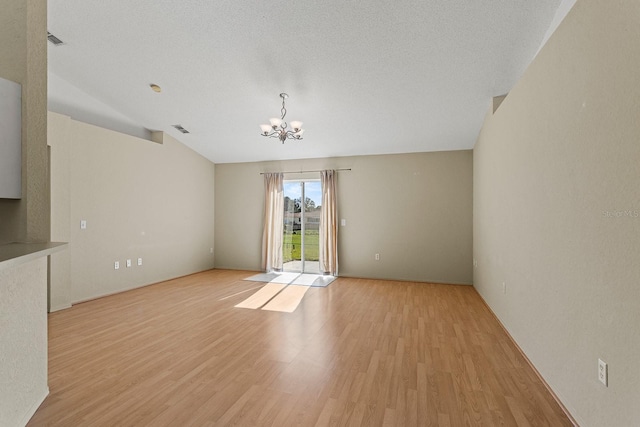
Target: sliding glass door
[{"x": 301, "y": 225}]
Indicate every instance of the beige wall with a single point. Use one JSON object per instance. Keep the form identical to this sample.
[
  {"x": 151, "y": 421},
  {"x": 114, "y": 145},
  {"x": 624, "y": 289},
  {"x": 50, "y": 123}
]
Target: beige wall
[
  {"x": 557, "y": 211},
  {"x": 139, "y": 198},
  {"x": 23, "y": 341},
  {"x": 23, "y": 322},
  {"x": 59, "y": 136},
  {"x": 413, "y": 209},
  {"x": 23, "y": 59}
]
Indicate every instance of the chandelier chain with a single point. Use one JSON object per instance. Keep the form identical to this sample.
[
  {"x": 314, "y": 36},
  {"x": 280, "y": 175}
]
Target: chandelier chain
[{"x": 283, "y": 110}]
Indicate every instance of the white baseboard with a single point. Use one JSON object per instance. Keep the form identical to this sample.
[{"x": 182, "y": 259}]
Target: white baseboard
[{"x": 59, "y": 307}]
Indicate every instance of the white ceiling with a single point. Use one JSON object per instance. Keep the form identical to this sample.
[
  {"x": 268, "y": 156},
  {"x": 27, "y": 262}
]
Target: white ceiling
[{"x": 365, "y": 77}]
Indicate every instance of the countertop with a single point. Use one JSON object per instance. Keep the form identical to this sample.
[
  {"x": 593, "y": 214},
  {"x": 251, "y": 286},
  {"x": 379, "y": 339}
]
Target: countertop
[{"x": 12, "y": 254}]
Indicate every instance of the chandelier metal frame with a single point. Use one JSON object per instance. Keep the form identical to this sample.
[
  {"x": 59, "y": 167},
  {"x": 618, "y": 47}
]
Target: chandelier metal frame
[{"x": 278, "y": 127}]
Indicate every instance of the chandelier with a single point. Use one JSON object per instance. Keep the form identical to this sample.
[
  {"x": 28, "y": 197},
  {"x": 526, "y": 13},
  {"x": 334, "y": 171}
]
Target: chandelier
[{"x": 278, "y": 127}]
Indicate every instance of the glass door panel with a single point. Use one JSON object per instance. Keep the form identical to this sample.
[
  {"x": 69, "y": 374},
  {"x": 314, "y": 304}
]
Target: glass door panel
[
  {"x": 291, "y": 240},
  {"x": 311, "y": 222},
  {"x": 300, "y": 247}
]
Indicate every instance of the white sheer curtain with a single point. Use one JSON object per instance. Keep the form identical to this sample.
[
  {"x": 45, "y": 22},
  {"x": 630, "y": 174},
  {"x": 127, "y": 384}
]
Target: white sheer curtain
[
  {"x": 329, "y": 224},
  {"x": 273, "y": 222}
]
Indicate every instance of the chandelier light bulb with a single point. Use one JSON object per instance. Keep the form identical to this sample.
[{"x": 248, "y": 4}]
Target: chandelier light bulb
[
  {"x": 296, "y": 125},
  {"x": 266, "y": 129},
  {"x": 275, "y": 122}
]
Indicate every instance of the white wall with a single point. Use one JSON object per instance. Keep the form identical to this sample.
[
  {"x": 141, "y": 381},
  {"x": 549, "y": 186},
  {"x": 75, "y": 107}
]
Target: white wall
[
  {"x": 140, "y": 199},
  {"x": 413, "y": 209},
  {"x": 557, "y": 211}
]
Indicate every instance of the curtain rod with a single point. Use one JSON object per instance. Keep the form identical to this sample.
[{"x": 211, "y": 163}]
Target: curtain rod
[{"x": 337, "y": 170}]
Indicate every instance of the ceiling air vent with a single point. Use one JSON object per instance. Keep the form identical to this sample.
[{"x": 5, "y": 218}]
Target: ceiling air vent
[
  {"x": 180, "y": 128},
  {"x": 53, "y": 39}
]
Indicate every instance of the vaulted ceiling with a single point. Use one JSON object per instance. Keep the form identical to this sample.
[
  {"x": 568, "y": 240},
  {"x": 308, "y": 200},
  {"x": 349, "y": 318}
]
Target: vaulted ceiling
[{"x": 371, "y": 77}]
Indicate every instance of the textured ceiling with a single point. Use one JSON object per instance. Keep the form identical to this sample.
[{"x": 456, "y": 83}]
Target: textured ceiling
[{"x": 365, "y": 77}]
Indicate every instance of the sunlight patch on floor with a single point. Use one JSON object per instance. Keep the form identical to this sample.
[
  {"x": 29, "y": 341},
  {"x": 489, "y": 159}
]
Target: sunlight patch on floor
[
  {"x": 288, "y": 300},
  {"x": 260, "y": 298}
]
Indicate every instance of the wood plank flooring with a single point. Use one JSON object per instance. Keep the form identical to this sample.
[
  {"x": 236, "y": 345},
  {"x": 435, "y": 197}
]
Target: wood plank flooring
[{"x": 359, "y": 352}]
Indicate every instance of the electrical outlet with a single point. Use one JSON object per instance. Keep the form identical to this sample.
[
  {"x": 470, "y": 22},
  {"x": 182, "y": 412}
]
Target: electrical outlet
[
  {"x": 475, "y": 262},
  {"x": 377, "y": 257},
  {"x": 603, "y": 373},
  {"x": 504, "y": 287},
  {"x": 116, "y": 265},
  {"x": 128, "y": 263},
  {"x": 210, "y": 250},
  {"x": 139, "y": 261}
]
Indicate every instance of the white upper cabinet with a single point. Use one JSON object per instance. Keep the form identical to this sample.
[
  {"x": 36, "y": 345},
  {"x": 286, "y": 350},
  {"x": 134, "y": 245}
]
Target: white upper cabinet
[{"x": 10, "y": 140}]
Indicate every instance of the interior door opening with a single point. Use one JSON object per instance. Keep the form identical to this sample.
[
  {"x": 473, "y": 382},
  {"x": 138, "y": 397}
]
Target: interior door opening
[{"x": 301, "y": 244}]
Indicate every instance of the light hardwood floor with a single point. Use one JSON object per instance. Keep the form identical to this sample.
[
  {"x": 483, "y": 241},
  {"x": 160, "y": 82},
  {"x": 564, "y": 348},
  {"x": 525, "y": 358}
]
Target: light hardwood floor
[{"x": 359, "y": 352}]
